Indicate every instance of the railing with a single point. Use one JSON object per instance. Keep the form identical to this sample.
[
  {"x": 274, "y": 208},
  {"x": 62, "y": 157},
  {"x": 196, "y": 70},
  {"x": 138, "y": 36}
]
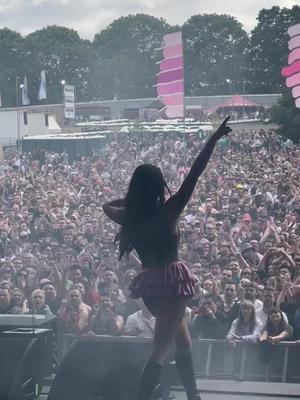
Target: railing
[{"x": 216, "y": 359}]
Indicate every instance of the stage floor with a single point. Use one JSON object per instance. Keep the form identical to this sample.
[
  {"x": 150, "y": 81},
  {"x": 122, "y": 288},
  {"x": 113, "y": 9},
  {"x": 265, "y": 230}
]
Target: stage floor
[
  {"x": 231, "y": 390},
  {"x": 234, "y": 390},
  {"x": 218, "y": 396},
  {"x": 229, "y": 396}
]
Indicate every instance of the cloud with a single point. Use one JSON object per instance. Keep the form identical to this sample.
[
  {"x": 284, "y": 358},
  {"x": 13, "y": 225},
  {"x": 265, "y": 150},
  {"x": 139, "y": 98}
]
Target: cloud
[{"x": 90, "y": 16}]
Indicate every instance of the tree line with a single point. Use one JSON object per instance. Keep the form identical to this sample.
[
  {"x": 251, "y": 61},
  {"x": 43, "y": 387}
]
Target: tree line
[{"x": 121, "y": 61}]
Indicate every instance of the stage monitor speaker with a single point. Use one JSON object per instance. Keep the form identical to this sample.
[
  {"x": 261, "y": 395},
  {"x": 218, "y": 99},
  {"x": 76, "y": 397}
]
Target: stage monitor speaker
[
  {"x": 26, "y": 357},
  {"x": 100, "y": 370}
]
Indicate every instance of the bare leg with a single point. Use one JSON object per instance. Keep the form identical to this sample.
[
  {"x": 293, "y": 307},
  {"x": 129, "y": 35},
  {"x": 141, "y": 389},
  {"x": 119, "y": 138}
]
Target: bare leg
[
  {"x": 169, "y": 316},
  {"x": 183, "y": 338}
]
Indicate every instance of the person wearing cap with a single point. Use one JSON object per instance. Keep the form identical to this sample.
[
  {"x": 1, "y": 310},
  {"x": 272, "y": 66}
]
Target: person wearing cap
[
  {"x": 219, "y": 227},
  {"x": 249, "y": 254}
]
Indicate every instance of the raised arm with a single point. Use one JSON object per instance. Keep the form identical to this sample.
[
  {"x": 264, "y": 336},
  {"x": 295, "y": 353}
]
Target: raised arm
[
  {"x": 179, "y": 200},
  {"x": 115, "y": 210}
]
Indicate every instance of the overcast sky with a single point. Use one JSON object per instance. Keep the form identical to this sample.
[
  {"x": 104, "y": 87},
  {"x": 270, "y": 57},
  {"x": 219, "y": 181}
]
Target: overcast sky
[{"x": 90, "y": 16}]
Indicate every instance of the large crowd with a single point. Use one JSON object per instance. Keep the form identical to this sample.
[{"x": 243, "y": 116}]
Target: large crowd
[{"x": 240, "y": 235}]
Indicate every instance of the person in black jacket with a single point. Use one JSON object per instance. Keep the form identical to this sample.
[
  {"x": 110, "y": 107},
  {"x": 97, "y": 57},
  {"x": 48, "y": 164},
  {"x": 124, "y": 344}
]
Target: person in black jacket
[{"x": 209, "y": 321}]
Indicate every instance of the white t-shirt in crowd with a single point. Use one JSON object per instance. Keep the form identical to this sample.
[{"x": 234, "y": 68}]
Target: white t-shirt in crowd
[
  {"x": 257, "y": 304},
  {"x": 138, "y": 325}
]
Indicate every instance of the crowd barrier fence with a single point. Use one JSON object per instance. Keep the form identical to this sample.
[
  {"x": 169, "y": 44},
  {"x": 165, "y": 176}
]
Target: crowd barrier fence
[{"x": 217, "y": 359}]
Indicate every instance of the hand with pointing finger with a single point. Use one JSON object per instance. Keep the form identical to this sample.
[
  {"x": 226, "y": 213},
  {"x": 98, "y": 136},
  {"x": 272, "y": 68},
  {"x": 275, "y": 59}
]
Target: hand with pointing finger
[{"x": 223, "y": 129}]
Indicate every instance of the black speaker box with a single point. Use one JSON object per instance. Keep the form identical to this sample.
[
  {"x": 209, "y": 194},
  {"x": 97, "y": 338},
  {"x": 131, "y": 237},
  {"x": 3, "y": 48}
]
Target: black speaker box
[
  {"x": 25, "y": 358},
  {"x": 100, "y": 370}
]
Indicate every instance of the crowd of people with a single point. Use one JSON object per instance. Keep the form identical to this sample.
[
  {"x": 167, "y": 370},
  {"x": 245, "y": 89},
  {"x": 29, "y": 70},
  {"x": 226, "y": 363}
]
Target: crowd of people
[{"x": 240, "y": 235}]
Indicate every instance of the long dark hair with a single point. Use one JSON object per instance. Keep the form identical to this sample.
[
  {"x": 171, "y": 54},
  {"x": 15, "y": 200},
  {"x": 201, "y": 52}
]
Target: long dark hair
[
  {"x": 241, "y": 321},
  {"x": 146, "y": 194}
]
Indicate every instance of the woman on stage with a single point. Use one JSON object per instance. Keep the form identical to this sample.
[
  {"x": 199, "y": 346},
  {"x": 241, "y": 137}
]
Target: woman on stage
[{"x": 149, "y": 225}]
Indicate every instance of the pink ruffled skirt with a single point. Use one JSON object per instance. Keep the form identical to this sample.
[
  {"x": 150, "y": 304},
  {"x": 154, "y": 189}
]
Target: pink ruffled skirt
[{"x": 172, "y": 280}]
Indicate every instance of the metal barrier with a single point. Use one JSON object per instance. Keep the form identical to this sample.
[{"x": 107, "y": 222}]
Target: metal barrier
[{"x": 216, "y": 359}]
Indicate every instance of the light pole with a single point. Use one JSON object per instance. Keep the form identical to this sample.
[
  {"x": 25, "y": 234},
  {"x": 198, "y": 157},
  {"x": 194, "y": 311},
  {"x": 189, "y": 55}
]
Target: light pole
[
  {"x": 63, "y": 82},
  {"x": 244, "y": 84},
  {"x": 229, "y": 82},
  {"x": 18, "y": 102},
  {"x": 231, "y": 86},
  {"x": 17, "y": 91}
]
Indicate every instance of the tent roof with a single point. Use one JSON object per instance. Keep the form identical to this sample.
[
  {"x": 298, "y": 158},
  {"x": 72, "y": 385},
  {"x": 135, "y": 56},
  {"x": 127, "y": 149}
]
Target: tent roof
[{"x": 235, "y": 101}]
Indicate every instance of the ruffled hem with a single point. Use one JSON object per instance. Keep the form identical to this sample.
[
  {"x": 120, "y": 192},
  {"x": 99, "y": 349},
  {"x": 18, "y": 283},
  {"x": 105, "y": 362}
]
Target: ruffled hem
[{"x": 173, "y": 280}]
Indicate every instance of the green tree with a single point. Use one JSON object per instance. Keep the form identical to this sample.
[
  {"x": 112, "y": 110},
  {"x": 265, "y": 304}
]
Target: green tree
[
  {"x": 268, "y": 49},
  {"x": 214, "y": 51},
  {"x": 64, "y": 56},
  {"x": 287, "y": 117},
  {"x": 13, "y": 58},
  {"x": 127, "y": 55}
]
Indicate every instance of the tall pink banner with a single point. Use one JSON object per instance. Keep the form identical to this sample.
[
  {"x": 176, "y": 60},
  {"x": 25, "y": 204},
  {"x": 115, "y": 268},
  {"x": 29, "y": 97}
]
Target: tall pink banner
[
  {"x": 170, "y": 81},
  {"x": 292, "y": 71}
]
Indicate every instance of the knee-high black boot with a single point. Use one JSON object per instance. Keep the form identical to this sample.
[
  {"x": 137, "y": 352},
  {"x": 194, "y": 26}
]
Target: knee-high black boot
[
  {"x": 149, "y": 380},
  {"x": 184, "y": 364}
]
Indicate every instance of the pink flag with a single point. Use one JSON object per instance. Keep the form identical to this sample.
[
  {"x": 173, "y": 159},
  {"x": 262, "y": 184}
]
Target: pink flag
[
  {"x": 172, "y": 63},
  {"x": 292, "y": 71},
  {"x": 170, "y": 87},
  {"x": 170, "y": 81}
]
